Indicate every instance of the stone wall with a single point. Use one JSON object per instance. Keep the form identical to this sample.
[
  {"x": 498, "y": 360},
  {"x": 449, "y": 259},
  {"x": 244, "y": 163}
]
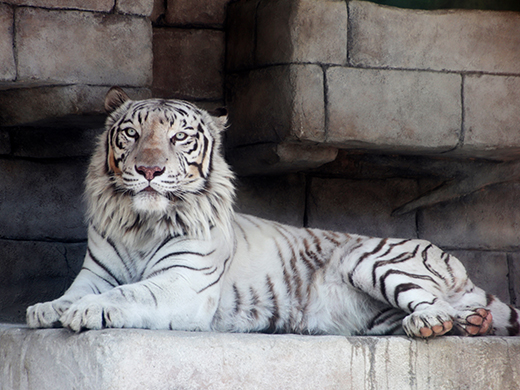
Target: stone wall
[{"x": 341, "y": 114}]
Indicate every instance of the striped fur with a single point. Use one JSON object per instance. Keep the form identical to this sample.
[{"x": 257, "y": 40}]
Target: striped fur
[{"x": 166, "y": 251}]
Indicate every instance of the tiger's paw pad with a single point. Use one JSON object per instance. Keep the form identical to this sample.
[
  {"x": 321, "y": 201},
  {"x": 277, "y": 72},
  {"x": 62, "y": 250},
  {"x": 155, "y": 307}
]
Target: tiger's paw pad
[
  {"x": 426, "y": 325},
  {"x": 475, "y": 322}
]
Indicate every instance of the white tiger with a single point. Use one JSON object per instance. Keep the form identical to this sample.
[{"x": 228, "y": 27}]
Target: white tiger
[{"x": 166, "y": 251}]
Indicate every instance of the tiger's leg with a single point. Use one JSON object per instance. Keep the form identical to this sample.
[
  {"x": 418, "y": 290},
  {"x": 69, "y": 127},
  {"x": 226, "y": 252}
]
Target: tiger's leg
[
  {"x": 418, "y": 278},
  {"x": 97, "y": 276}
]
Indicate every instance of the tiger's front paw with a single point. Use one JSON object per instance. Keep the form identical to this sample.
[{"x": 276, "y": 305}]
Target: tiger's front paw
[
  {"x": 92, "y": 312},
  {"x": 427, "y": 323},
  {"x": 47, "y": 314}
]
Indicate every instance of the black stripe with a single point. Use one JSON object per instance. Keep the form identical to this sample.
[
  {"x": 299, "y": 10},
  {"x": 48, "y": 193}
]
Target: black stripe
[
  {"x": 401, "y": 257},
  {"x": 424, "y": 254},
  {"x": 382, "y": 280},
  {"x": 152, "y": 294},
  {"x": 100, "y": 277},
  {"x": 104, "y": 267},
  {"x": 180, "y": 254},
  {"x": 404, "y": 287},
  {"x": 238, "y": 299},
  {"x": 113, "y": 245},
  {"x": 162, "y": 270},
  {"x": 275, "y": 313},
  {"x": 218, "y": 279}
]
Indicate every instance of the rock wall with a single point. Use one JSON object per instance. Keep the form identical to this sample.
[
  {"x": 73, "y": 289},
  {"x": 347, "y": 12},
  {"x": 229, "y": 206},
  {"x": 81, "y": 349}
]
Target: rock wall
[{"x": 341, "y": 114}]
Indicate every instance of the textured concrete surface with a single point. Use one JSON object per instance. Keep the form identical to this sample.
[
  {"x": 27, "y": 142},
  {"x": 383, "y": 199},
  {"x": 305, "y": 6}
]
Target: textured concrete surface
[{"x": 138, "y": 359}]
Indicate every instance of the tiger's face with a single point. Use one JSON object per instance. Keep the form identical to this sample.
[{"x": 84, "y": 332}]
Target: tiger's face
[{"x": 158, "y": 151}]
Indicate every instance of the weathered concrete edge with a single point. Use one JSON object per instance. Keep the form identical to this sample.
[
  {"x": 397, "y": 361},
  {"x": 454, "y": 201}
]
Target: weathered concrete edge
[{"x": 137, "y": 359}]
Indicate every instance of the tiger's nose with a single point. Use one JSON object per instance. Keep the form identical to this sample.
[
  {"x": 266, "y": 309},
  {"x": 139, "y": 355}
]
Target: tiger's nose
[{"x": 149, "y": 172}]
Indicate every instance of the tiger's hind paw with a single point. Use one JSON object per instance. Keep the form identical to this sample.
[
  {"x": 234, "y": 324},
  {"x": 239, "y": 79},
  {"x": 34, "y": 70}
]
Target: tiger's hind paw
[
  {"x": 426, "y": 325},
  {"x": 474, "y": 322}
]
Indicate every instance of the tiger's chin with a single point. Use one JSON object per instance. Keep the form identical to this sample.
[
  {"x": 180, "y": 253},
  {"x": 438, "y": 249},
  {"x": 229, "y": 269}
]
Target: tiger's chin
[{"x": 150, "y": 202}]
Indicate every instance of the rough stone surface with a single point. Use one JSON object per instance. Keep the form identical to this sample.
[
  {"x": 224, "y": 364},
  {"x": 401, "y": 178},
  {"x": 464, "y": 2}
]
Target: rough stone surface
[
  {"x": 486, "y": 219},
  {"x": 7, "y": 64},
  {"x": 188, "y": 63},
  {"x": 280, "y": 103},
  {"x": 492, "y": 115},
  {"x": 361, "y": 206},
  {"x": 42, "y": 201},
  {"x": 32, "y": 271},
  {"x": 398, "y": 111},
  {"x": 141, "y": 7},
  {"x": 301, "y": 31},
  {"x": 488, "y": 270},
  {"x": 279, "y": 158},
  {"x": 136, "y": 359},
  {"x": 278, "y": 198},
  {"x": 45, "y": 52},
  {"x": 196, "y": 12},
  {"x": 73, "y": 136},
  {"x": 27, "y": 103},
  {"x": 87, "y": 5},
  {"x": 241, "y": 34},
  {"x": 438, "y": 40}
]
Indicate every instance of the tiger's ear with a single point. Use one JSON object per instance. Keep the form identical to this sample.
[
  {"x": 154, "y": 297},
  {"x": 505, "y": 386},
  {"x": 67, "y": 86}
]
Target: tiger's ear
[
  {"x": 114, "y": 99},
  {"x": 220, "y": 116}
]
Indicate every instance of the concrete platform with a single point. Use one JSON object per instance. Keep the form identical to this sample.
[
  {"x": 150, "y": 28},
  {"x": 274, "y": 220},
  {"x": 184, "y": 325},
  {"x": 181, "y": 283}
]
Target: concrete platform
[{"x": 140, "y": 359}]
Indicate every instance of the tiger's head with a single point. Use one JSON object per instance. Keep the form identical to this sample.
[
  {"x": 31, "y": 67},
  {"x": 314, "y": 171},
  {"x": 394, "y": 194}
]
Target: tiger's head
[{"x": 158, "y": 166}]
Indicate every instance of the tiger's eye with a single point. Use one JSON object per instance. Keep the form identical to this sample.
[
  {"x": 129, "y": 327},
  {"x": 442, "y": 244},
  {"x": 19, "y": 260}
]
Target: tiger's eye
[
  {"x": 132, "y": 133},
  {"x": 180, "y": 136}
]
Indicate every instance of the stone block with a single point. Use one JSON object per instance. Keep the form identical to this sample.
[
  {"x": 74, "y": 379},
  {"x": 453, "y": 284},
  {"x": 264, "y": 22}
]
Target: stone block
[
  {"x": 486, "y": 219},
  {"x": 280, "y": 103},
  {"x": 241, "y": 34},
  {"x": 301, "y": 31},
  {"x": 7, "y": 64},
  {"x": 132, "y": 7},
  {"x": 5, "y": 142},
  {"x": 488, "y": 270},
  {"x": 87, "y": 47},
  {"x": 361, "y": 206},
  {"x": 454, "y": 40},
  {"x": 32, "y": 271},
  {"x": 394, "y": 111},
  {"x": 87, "y": 5},
  {"x": 42, "y": 201},
  {"x": 188, "y": 63},
  {"x": 198, "y": 12},
  {"x": 72, "y": 136},
  {"x": 272, "y": 158},
  {"x": 28, "y": 102},
  {"x": 278, "y": 198},
  {"x": 492, "y": 115},
  {"x": 135, "y": 359}
]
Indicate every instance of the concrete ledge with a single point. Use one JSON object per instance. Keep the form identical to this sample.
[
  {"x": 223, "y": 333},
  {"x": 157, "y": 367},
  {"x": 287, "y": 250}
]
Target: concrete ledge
[{"x": 138, "y": 359}]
